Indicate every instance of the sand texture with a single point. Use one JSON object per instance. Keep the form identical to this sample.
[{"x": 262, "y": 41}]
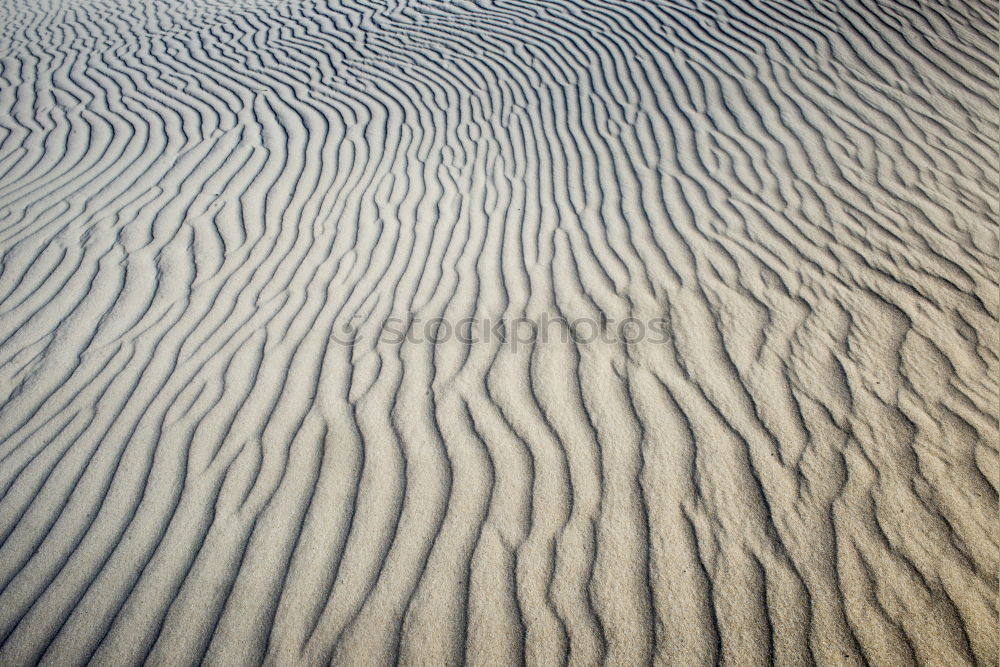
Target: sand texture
[{"x": 499, "y": 331}]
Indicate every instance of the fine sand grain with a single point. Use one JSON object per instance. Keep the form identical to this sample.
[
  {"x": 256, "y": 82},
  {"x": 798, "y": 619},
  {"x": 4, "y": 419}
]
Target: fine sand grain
[{"x": 772, "y": 438}]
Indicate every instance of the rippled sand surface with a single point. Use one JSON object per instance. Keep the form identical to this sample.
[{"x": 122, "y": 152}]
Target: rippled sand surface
[{"x": 770, "y": 227}]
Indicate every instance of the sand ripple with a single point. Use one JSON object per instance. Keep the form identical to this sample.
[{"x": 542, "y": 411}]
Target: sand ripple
[{"x": 211, "y": 450}]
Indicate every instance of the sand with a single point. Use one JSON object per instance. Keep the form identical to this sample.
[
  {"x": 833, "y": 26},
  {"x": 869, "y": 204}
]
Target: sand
[{"x": 499, "y": 332}]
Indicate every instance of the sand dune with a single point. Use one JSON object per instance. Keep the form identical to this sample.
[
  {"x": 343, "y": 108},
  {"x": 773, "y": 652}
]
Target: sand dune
[{"x": 286, "y": 373}]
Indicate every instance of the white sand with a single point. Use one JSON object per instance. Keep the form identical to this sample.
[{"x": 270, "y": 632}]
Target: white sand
[{"x": 199, "y": 199}]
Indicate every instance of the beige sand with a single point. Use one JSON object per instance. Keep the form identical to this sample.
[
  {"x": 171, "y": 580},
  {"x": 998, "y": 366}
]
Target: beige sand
[{"x": 216, "y": 445}]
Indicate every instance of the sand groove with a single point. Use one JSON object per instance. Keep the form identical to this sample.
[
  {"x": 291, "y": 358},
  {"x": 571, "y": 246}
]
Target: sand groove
[{"x": 211, "y": 450}]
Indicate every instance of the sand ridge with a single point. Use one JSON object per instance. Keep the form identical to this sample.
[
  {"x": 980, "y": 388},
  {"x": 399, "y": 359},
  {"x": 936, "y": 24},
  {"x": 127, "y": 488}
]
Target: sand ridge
[{"x": 215, "y": 215}]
